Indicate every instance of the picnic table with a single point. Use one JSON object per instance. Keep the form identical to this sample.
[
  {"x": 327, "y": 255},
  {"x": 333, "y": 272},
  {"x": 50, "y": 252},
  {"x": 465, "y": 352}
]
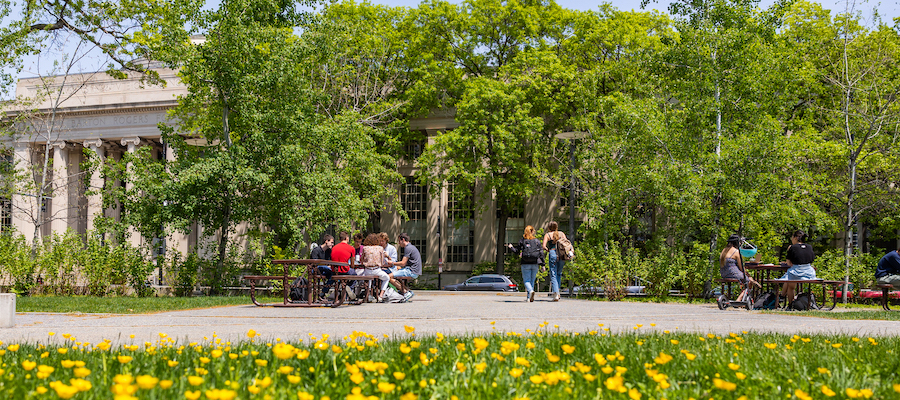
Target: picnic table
[
  {"x": 809, "y": 284},
  {"x": 315, "y": 283}
]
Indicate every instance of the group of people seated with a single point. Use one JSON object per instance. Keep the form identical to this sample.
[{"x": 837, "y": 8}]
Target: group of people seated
[
  {"x": 799, "y": 261},
  {"x": 370, "y": 255}
]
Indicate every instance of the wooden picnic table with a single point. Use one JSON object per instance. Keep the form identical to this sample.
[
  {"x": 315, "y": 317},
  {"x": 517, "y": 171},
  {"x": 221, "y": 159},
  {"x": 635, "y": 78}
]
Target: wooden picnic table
[
  {"x": 315, "y": 283},
  {"x": 809, "y": 283}
]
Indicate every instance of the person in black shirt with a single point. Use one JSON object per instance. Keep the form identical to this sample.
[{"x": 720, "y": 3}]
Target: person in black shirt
[
  {"x": 799, "y": 260},
  {"x": 323, "y": 252}
]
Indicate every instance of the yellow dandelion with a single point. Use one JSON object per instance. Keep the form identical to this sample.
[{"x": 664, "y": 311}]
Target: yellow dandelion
[
  {"x": 515, "y": 372},
  {"x": 827, "y": 391},
  {"x": 724, "y": 385}
]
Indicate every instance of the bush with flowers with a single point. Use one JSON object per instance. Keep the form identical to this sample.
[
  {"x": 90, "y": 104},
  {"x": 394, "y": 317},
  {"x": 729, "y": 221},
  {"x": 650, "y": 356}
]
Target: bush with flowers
[{"x": 537, "y": 364}]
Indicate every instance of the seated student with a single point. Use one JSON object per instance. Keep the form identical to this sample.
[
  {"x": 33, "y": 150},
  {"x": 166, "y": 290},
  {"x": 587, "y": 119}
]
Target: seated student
[
  {"x": 389, "y": 249},
  {"x": 341, "y": 252},
  {"x": 323, "y": 252},
  {"x": 888, "y": 271},
  {"x": 799, "y": 258},
  {"x": 732, "y": 267},
  {"x": 410, "y": 265},
  {"x": 372, "y": 257}
]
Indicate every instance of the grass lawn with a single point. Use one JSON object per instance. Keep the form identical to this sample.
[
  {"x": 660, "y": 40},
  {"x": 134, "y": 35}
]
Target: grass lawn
[
  {"x": 127, "y": 305},
  {"x": 856, "y": 314},
  {"x": 539, "y": 364}
]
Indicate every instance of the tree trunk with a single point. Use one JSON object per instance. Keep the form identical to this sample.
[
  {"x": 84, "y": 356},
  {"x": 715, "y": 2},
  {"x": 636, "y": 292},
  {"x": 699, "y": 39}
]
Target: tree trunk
[
  {"x": 848, "y": 239},
  {"x": 502, "y": 216},
  {"x": 223, "y": 242},
  {"x": 713, "y": 254}
]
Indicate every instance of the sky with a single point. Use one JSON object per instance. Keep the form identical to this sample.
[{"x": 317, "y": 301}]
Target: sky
[{"x": 888, "y": 9}]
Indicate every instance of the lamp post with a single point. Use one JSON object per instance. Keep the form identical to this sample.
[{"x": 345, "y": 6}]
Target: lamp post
[{"x": 571, "y": 137}]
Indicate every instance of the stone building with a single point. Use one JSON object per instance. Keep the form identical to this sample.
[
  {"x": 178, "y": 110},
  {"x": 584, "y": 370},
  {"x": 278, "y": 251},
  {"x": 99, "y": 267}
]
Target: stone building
[{"x": 109, "y": 117}]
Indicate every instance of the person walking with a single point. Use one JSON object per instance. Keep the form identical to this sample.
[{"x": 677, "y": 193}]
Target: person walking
[
  {"x": 556, "y": 263},
  {"x": 530, "y": 251}
]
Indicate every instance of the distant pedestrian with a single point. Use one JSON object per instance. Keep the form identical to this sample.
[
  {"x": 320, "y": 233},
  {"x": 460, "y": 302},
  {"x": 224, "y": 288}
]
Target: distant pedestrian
[
  {"x": 553, "y": 236},
  {"x": 531, "y": 253}
]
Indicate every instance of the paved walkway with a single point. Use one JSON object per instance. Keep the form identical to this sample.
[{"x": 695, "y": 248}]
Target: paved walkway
[{"x": 429, "y": 312}]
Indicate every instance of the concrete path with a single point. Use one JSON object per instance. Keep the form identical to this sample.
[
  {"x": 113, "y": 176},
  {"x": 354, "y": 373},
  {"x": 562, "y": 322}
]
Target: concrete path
[{"x": 429, "y": 312}]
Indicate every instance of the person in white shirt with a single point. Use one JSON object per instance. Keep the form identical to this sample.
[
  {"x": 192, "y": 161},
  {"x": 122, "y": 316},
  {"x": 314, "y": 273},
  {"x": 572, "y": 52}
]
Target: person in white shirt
[{"x": 389, "y": 249}]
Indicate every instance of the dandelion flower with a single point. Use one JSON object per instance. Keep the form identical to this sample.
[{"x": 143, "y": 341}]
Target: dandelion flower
[
  {"x": 827, "y": 391},
  {"x": 724, "y": 385}
]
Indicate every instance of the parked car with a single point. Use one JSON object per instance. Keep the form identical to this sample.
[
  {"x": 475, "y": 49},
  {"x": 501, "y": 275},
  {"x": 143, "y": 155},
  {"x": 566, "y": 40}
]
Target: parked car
[{"x": 489, "y": 282}]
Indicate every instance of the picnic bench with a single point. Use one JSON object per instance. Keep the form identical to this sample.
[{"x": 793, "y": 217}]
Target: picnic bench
[
  {"x": 315, "y": 284},
  {"x": 885, "y": 295},
  {"x": 809, "y": 283}
]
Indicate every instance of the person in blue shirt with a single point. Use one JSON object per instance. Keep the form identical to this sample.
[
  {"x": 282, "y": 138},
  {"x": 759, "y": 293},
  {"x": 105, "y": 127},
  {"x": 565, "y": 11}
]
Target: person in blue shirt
[{"x": 888, "y": 271}]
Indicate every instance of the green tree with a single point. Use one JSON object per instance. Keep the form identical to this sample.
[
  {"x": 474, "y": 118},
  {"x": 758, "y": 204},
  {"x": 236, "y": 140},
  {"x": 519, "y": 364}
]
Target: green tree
[
  {"x": 250, "y": 144},
  {"x": 493, "y": 61},
  {"x": 853, "y": 94}
]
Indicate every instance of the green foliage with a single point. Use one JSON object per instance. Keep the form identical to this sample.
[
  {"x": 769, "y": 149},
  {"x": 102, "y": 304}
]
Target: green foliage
[
  {"x": 128, "y": 305},
  {"x": 831, "y": 265},
  {"x": 16, "y": 263}
]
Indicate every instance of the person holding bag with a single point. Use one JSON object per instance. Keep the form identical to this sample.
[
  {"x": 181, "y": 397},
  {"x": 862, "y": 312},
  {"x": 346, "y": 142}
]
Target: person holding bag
[
  {"x": 530, "y": 251},
  {"x": 557, "y": 261}
]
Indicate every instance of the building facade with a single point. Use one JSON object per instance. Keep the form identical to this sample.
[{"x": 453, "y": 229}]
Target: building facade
[{"x": 109, "y": 117}]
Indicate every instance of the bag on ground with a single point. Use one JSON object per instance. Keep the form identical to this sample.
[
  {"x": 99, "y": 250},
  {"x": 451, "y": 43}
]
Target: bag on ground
[
  {"x": 532, "y": 252},
  {"x": 766, "y": 301},
  {"x": 298, "y": 290},
  {"x": 391, "y": 296},
  {"x": 564, "y": 249},
  {"x": 803, "y": 302}
]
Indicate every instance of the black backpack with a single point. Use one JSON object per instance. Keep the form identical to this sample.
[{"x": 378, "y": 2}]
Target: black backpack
[
  {"x": 531, "y": 252},
  {"x": 804, "y": 301},
  {"x": 298, "y": 290},
  {"x": 766, "y": 301}
]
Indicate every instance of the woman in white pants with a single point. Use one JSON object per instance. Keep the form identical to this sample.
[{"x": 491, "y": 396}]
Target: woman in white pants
[{"x": 372, "y": 257}]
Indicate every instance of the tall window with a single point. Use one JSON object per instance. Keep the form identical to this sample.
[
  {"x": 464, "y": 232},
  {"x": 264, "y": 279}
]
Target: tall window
[
  {"x": 6, "y": 169},
  {"x": 515, "y": 223},
  {"x": 414, "y": 199},
  {"x": 460, "y": 223}
]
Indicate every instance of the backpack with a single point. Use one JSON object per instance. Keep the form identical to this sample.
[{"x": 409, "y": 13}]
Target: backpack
[
  {"x": 371, "y": 256},
  {"x": 532, "y": 251},
  {"x": 298, "y": 290},
  {"x": 804, "y": 301},
  {"x": 564, "y": 249},
  {"x": 392, "y": 296},
  {"x": 766, "y": 301}
]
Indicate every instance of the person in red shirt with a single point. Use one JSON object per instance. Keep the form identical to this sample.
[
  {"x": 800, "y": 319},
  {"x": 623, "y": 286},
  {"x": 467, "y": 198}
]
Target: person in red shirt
[{"x": 343, "y": 252}]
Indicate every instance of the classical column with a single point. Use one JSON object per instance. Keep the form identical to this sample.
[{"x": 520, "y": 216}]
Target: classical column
[
  {"x": 180, "y": 241},
  {"x": 131, "y": 144},
  {"x": 24, "y": 204},
  {"x": 59, "y": 214},
  {"x": 95, "y": 201}
]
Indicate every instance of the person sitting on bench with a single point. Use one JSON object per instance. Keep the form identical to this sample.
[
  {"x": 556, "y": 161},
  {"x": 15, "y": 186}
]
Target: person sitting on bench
[
  {"x": 411, "y": 264},
  {"x": 799, "y": 260},
  {"x": 731, "y": 265},
  {"x": 888, "y": 271},
  {"x": 372, "y": 256},
  {"x": 341, "y": 252},
  {"x": 323, "y": 252}
]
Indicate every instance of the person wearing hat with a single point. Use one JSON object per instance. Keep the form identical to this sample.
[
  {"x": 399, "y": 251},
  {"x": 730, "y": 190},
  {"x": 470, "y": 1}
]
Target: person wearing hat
[
  {"x": 732, "y": 267},
  {"x": 799, "y": 261}
]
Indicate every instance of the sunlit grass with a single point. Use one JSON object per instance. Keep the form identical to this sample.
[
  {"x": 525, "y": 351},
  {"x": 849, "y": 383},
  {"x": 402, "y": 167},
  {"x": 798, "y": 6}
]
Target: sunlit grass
[{"x": 127, "y": 305}]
